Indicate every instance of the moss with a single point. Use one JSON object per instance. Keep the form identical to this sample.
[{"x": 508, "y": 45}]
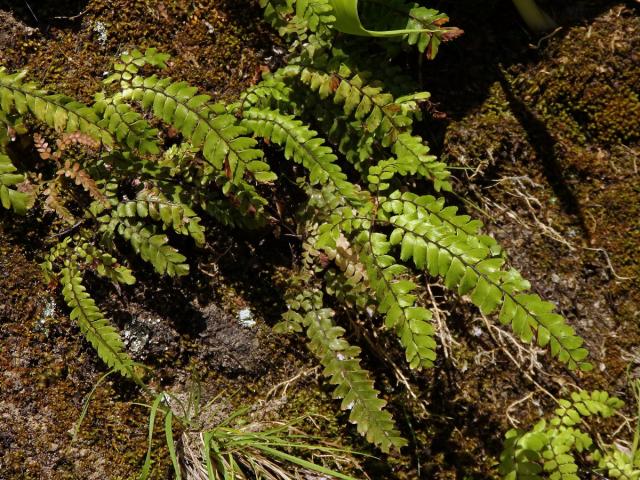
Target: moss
[
  {"x": 588, "y": 88},
  {"x": 47, "y": 371},
  {"x": 215, "y": 44}
]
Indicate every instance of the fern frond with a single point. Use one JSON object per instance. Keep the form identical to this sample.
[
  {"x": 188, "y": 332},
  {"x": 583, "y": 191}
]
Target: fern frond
[
  {"x": 151, "y": 246},
  {"x": 178, "y": 216},
  {"x": 410, "y": 150},
  {"x": 585, "y": 404},
  {"x": 11, "y": 198},
  {"x": 412, "y": 158},
  {"x": 58, "y": 111},
  {"x": 127, "y": 125},
  {"x": 206, "y": 125},
  {"x": 547, "y": 450},
  {"x": 42, "y": 147},
  {"x": 303, "y": 18},
  {"x": 271, "y": 92},
  {"x": 55, "y": 203},
  {"x": 398, "y": 14},
  {"x": 104, "y": 338},
  {"x": 391, "y": 284},
  {"x": 276, "y": 12},
  {"x": 341, "y": 363},
  {"x": 397, "y": 302},
  {"x": 375, "y": 112},
  {"x": 617, "y": 464},
  {"x": 82, "y": 178},
  {"x": 77, "y": 138},
  {"x": 316, "y": 15},
  {"x": 154, "y": 248},
  {"x": 104, "y": 264},
  {"x": 447, "y": 245},
  {"x": 302, "y": 145},
  {"x": 365, "y": 100}
]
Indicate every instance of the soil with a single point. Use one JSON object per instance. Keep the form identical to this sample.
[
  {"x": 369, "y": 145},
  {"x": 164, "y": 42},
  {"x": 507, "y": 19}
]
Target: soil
[{"x": 545, "y": 136}]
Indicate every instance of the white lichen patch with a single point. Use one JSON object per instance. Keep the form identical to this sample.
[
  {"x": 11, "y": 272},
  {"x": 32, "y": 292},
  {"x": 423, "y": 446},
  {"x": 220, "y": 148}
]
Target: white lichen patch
[{"x": 245, "y": 318}]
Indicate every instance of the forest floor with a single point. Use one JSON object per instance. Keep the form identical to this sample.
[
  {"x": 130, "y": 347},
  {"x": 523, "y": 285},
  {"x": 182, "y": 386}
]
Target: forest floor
[{"x": 545, "y": 137}]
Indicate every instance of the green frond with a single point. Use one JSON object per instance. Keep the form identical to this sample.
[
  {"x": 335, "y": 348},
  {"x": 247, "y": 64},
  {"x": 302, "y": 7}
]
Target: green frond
[
  {"x": 242, "y": 208},
  {"x": 10, "y": 198},
  {"x": 617, "y": 464},
  {"x": 445, "y": 244},
  {"x": 399, "y": 14},
  {"x": 348, "y": 136},
  {"x": 341, "y": 363},
  {"x": 127, "y": 125},
  {"x": 104, "y": 264},
  {"x": 397, "y": 301},
  {"x": 410, "y": 150},
  {"x": 178, "y": 216},
  {"x": 376, "y": 113},
  {"x": 548, "y": 449},
  {"x": 276, "y": 12},
  {"x": 431, "y": 21},
  {"x": 151, "y": 246},
  {"x": 104, "y": 338},
  {"x": 302, "y": 145},
  {"x": 361, "y": 98},
  {"x": 300, "y": 17},
  {"x": 412, "y": 159},
  {"x": 181, "y": 177},
  {"x": 585, "y": 404},
  {"x": 521, "y": 455},
  {"x": 316, "y": 15},
  {"x": 271, "y": 92},
  {"x": 58, "y": 111},
  {"x": 207, "y": 126}
]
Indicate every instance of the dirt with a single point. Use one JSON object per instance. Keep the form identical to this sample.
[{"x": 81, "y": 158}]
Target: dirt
[{"x": 551, "y": 168}]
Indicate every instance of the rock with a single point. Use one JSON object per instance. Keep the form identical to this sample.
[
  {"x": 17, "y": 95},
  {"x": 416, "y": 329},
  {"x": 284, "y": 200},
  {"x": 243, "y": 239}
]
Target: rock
[{"x": 229, "y": 346}]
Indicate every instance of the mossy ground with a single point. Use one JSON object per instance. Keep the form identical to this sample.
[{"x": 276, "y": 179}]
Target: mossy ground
[{"x": 554, "y": 167}]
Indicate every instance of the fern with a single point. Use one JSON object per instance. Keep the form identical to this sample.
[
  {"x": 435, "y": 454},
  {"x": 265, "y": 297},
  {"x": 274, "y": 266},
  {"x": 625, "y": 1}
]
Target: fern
[
  {"x": 428, "y": 23},
  {"x": 366, "y": 238},
  {"x": 375, "y": 111},
  {"x": 301, "y": 18},
  {"x": 65, "y": 114},
  {"x": 82, "y": 178},
  {"x": 617, "y": 463},
  {"x": 127, "y": 125},
  {"x": 104, "y": 264},
  {"x": 61, "y": 112},
  {"x": 150, "y": 245},
  {"x": 207, "y": 126},
  {"x": 153, "y": 204},
  {"x": 396, "y": 299},
  {"x": 10, "y": 197},
  {"x": 301, "y": 145},
  {"x": 55, "y": 203},
  {"x": 95, "y": 327},
  {"x": 448, "y": 245},
  {"x": 547, "y": 450},
  {"x": 341, "y": 363}
]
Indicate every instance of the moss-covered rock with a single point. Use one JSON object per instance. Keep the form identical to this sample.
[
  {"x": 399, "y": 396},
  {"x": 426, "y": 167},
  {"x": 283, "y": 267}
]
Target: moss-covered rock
[{"x": 590, "y": 85}]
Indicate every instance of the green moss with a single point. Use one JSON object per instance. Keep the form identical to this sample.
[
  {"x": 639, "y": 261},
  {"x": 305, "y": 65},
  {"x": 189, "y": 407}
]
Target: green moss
[
  {"x": 588, "y": 87},
  {"x": 216, "y": 45}
]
